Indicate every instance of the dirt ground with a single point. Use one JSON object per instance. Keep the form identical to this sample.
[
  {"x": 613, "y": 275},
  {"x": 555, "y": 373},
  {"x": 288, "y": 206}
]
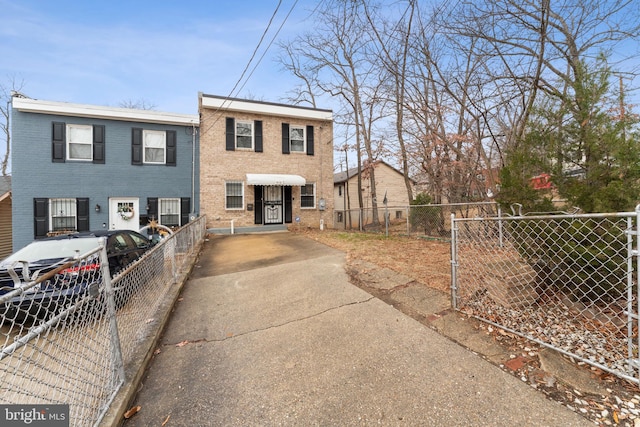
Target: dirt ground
[
  {"x": 607, "y": 401},
  {"x": 426, "y": 261}
]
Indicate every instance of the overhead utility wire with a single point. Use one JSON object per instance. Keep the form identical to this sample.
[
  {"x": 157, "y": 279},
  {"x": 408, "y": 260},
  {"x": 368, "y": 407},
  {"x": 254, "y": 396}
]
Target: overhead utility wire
[{"x": 255, "y": 51}]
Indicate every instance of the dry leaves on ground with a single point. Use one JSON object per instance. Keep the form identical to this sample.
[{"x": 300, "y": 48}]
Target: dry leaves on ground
[{"x": 426, "y": 261}]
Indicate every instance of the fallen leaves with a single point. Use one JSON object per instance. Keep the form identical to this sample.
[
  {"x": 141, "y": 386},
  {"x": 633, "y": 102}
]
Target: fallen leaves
[{"x": 131, "y": 412}]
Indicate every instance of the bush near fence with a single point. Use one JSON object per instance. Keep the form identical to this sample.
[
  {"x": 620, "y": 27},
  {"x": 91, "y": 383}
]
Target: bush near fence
[
  {"x": 426, "y": 220},
  {"x": 567, "y": 282}
]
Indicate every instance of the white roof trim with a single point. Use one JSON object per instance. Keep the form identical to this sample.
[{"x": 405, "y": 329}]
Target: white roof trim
[
  {"x": 96, "y": 111},
  {"x": 5, "y": 195},
  {"x": 275, "y": 179},
  {"x": 255, "y": 107}
]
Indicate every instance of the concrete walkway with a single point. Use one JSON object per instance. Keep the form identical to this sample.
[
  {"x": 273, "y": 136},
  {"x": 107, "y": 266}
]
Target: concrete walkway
[{"x": 269, "y": 331}]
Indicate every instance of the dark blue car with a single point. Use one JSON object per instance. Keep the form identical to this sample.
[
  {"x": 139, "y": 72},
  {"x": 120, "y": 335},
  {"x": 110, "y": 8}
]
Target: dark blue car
[{"x": 56, "y": 289}]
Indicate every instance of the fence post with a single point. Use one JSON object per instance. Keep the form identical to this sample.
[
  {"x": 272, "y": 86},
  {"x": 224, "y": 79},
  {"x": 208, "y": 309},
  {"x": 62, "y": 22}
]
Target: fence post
[
  {"x": 408, "y": 225},
  {"x": 116, "y": 350},
  {"x": 500, "y": 235},
  {"x": 633, "y": 313},
  {"x": 454, "y": 264}
]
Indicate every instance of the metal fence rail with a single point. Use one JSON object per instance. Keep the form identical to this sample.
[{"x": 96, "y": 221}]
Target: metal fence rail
[
  {"x": 75, "y": 350},
  {"x": 418, "y": 220},
  {"x": 568, "y": 282}
]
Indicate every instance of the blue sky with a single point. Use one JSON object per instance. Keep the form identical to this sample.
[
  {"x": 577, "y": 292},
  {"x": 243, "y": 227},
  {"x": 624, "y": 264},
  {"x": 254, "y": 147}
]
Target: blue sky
[{"x": 161, "y": 52}]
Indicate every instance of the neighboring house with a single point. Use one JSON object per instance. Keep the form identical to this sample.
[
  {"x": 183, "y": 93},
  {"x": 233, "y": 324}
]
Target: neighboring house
[
  {"x": 389, "y": 182},
  {"x": 6, "y": 246},
  {"x": 265, "y": 164},
  {"x": 83, "y": 167}
]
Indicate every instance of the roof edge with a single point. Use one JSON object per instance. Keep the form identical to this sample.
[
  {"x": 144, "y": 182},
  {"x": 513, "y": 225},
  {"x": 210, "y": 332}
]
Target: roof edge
[
  {"x": 28, "y": 105},
  {"x": 262, "y": 107}
]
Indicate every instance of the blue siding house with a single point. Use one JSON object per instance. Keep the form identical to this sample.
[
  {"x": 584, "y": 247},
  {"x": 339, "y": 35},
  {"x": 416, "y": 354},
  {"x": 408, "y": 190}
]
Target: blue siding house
[{"x": 85, "y": 167}]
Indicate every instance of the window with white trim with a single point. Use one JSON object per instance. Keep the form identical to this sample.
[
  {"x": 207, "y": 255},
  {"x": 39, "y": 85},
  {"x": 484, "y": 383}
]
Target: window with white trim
[
  {"x": 234, "y": 195},
  {"x": 79, "y": 142},
  {"x": 169, "y": 212},
  {"x": 155, "y": 146},
  {"x": 296, "y": 139},
  {"x": 308, "y": 196},
  {"x": 62, "y": 215},
  {"x": 244, "y": 134}
]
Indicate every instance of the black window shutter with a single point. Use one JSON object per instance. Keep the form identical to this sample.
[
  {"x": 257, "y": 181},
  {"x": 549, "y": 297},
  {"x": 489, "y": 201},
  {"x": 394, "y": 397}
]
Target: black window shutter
[
  {"x": 185, "y": 209},
  {"x": 310, "y": 140},
  {"x": 285, "y": 138},
  {"x": 257, "y": 128},
  {"x": 288, "y": 205},
  {"x": 152, "y": 202},
  {"x": 98, "y": 144},
  {"x": 40, "y": 217},
  {"x": 257, "y": 204},
  {"x": 58, "y": 142},
  {"x": 171, "y": 148},
  {"x": 231, "y": 134},
  {"x": 82, "y": 210},
  {"x": 136, "y": 146}
]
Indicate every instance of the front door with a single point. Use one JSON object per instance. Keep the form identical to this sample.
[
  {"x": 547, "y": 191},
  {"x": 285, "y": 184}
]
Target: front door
[
  {"x": 124, "y": 214},
  {"x": 273, "y": 207}
]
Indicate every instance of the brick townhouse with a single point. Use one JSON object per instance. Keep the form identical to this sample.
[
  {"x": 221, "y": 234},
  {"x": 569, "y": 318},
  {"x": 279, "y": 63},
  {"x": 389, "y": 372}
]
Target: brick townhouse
[{"x": 265, "y": 164}]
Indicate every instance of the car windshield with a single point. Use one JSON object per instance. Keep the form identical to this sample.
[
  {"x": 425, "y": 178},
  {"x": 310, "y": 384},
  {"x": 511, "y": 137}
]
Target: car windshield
[{"x": 52, "y": 250}]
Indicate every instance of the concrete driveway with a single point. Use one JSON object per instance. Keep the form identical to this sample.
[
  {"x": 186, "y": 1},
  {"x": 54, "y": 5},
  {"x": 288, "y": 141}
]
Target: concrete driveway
[{"x": 269, "y": 331}]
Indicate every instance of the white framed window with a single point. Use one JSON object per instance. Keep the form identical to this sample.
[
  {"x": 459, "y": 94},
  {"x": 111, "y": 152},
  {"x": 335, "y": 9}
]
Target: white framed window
[
  {"x": 169, "y": 212},
  {"x": 154, "y": 147},
  {"x": 296, "y": 139},
  {"x": 79, "y": 142},
  {"x": 63, "y": 215},
  {"x": 234, "y": 195},
  {"x": 308, "y": 196},
  {"x": 244, "y": 134}
]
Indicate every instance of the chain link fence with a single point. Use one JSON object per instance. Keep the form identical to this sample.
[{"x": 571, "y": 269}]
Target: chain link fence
[
  {"x": 74, "y": 346},
  {"x": 568, "y": 282},
  {"x": 431, "y": 220}
]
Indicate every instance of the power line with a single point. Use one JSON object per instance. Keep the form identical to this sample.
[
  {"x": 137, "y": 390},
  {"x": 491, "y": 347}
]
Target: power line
[{"x": 231, "y": 93}]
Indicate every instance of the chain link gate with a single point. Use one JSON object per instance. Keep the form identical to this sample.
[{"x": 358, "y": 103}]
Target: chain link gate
[{"x": 565, "y": 281}]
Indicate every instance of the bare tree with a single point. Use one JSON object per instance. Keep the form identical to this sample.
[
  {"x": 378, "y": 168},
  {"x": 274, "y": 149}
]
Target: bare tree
[
  {"x": 393, "y": 51},
  {"x": 6, "y": 95},
  {"x": 140, "y": 104},
  {"x": 337, "y": 57}
]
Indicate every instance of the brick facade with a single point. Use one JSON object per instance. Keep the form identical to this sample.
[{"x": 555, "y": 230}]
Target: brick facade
[{"x": 219, "y": 165}]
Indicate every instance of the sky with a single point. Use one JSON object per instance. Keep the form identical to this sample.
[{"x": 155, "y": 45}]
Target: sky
[{"x": 160, "y": 53}]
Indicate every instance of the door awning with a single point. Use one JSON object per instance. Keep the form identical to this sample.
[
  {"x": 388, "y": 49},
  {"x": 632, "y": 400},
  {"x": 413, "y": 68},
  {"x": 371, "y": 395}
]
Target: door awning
[{"x": 274, "y": 179}]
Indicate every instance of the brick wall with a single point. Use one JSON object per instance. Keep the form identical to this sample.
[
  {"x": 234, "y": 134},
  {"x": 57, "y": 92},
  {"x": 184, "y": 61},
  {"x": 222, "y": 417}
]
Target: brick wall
[{"x": 217, "y": 165}]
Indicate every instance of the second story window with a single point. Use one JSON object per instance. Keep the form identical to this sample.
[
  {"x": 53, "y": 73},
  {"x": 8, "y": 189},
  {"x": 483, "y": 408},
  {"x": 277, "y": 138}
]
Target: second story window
[
  {"x": 74, "y": 142},
  {"x": 79, "y": 142},
  {"x": 154, "y": 147},
  {"x": 296, "y": 139},
  {"x": 244, "y": 135}
]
